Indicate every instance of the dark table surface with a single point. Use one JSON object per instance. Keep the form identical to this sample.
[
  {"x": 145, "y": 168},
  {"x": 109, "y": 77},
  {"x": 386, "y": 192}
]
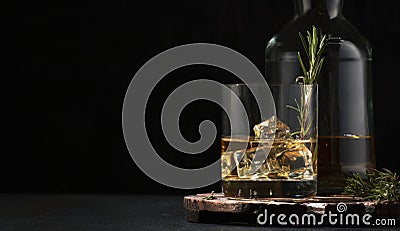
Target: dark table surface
[{"x": 102, "y": 212}]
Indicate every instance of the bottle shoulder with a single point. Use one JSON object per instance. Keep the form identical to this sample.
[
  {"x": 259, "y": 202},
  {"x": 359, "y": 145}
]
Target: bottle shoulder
[{"x": 344, "y": 38}]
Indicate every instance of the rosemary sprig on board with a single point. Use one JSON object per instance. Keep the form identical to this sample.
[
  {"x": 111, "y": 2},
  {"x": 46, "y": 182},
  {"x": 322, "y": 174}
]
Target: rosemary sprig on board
[
  {"x": 210, "y": 197},
  {"x": 380, "y": 186}
]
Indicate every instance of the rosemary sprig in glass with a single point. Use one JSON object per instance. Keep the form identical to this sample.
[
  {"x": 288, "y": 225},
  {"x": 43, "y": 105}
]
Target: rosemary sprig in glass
[
  {"x": 379, "y": 186},
  {"x": 303, "y": 111},
  {"x": 313, "y": 49}
]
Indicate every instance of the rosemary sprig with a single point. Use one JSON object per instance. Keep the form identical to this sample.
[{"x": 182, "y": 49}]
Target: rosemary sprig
[
  {"x": 303, "y": 111},
  {"x": 380, "y": 186},
  {"x": 313, "y": 50},
  {"x": 210, "y": 197}
]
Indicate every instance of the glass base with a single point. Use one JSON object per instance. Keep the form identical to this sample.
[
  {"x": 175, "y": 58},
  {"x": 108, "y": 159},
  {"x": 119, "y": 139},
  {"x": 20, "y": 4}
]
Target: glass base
[{"x": 268, "y": 188}]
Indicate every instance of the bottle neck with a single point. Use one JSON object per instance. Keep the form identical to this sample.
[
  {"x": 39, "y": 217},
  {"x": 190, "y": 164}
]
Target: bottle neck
[{"x": 331, "y": 8}]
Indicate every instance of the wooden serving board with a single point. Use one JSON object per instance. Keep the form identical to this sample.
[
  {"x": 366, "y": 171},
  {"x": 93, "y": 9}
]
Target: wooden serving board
[{"x": 247, "y": 211}]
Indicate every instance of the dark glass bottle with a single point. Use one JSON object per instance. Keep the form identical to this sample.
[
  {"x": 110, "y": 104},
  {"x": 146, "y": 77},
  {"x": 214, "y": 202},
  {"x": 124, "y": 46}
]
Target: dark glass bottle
[{"x": 345, "y": 124}]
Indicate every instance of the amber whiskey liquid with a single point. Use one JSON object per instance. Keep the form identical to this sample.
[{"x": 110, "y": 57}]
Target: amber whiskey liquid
[
  {"x": 288, "y": 169},
  {"x": 338, "y": 156}
]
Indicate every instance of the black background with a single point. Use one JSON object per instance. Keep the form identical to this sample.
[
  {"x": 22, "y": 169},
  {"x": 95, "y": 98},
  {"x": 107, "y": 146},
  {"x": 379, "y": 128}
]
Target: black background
[{"x": 76, "y": 60}]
